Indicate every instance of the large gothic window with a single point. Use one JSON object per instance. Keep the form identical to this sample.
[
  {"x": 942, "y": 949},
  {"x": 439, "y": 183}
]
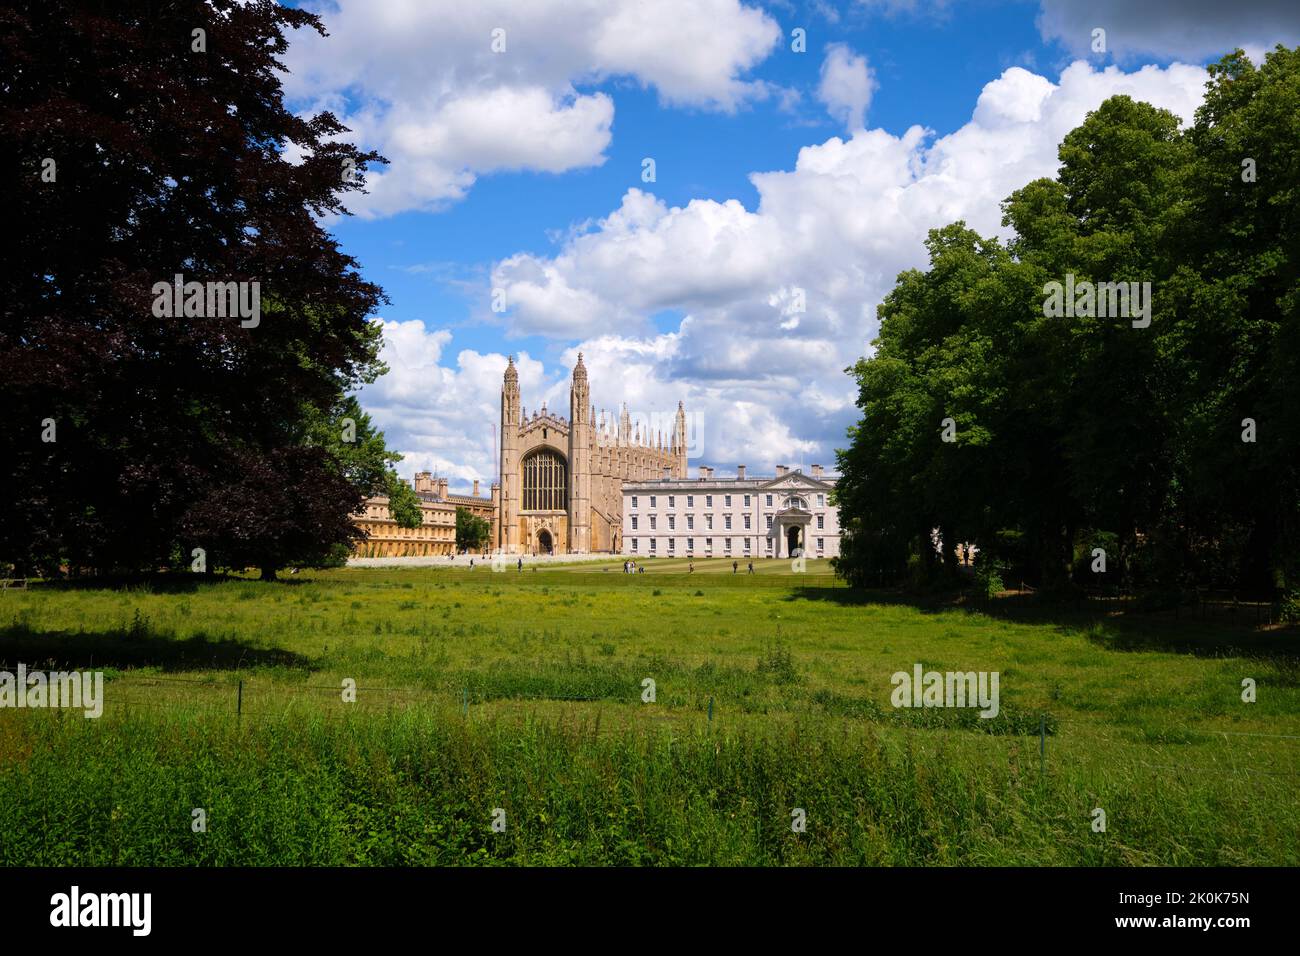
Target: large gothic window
[{"x": 546, "y": 486}]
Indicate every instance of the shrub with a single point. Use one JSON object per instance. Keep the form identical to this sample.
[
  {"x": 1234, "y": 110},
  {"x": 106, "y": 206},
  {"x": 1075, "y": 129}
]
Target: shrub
[
  {"x": 1290, "y": 607},
  {"x": 988, "y": 575}
]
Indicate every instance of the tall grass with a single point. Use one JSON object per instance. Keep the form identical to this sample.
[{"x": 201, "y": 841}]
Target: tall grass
[{"x": 412, "y": 788}]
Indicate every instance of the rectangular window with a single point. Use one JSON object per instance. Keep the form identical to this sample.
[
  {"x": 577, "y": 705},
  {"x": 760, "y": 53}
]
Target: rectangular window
[
  {"x": 727, "y": 543},
  {"x": 672, "y": 501},
  {"x": 747, "y": 546},
  {"x": 708, "y": 522},
  {"x": 652, "y": 522},
  {"x": 652, "y": 500},
  {"x": 708, "y": 501},
  {"x": 634, "y": 501},
  {"x": 746, "y": 522},
  {"x": 820, "y": 544},
  {"x": 634, "y": 522},
  {"x": 653, "y": 543},
  {"x": 821, "y": 501},
  {"x": 672, "y": 523},
  {"x": 821, "y": 522},
  {"x": 727, "y": 519},
  {"x": 746, "y": 501},
  {"x": 690, "y": 501},
  {"x": 769, "y": 501},
  {"x": 769, "y": 522},
  {"x": 690, "y": 522},
  {"x": 727, "y": 501},
  {"x": 634, "y": 544},
  {"x": 708, "y": 545},
  {"x": 690, "y": 544},
  {"x": 672, "y": 544}
]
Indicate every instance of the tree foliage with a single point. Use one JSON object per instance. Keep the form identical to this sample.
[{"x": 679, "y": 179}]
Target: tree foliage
[
  {"x": 133, "y": 153},
  {"x": 472, "y": 532},
  {"x": 1072, "y": 431},
  {"x": 403, "y": 503}
]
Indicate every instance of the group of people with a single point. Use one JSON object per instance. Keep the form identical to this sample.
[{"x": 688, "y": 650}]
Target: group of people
[
  {"x": 735, "y": 567},
  {"x": 631, "y": 567}
]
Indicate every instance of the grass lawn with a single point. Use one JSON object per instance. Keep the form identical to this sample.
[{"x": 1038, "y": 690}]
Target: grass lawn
[{"x": 522, "y": 691}]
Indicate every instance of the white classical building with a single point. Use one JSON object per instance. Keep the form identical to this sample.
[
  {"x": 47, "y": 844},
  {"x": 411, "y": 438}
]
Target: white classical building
[{"x": 740, "y": 517}]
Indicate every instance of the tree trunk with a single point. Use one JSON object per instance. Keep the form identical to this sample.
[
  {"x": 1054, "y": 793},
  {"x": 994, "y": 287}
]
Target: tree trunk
[
  {"x": 268, "y": 572},
  {"x": 949, "y": 541}
]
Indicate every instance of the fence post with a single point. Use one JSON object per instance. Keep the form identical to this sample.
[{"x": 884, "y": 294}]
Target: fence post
[
  {"x": 239, "y": 702},
  {"x": 710, "y": 710},
  {"x": 1042, "y": 745}
]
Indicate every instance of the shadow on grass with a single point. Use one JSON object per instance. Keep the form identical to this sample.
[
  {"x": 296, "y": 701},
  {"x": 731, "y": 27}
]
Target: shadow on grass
[
  {"x": 1223, "y": 634},
  {"x": 136, "y": 646},
  {"x": 179, "y": 582}
]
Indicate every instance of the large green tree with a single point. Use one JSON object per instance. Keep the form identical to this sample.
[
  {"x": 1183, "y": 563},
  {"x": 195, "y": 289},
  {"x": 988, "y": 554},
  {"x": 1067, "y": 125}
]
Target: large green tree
[
  {"x": 472, "y": 532},
  {"x": 1067, "y": 430},
  {"x": 403, "y": 503}
]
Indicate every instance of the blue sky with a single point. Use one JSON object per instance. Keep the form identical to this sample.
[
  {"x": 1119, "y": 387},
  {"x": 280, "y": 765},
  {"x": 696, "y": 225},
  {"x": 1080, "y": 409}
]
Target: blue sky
[
  {"x": 930, "y": 67},
  {"x": 521, "y": 170}
]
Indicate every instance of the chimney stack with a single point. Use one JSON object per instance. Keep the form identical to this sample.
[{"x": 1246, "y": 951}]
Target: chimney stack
[
  {"x": 817, "y": 471},
  {"x": 423, "y": 481},
  {"x": 442, "y": 487},
  {"x": 475, "y": 487},
  {"x": 780, "y": 471},
  {"x": 740, "y": 472},
  {"x": 668, "y": 472}
]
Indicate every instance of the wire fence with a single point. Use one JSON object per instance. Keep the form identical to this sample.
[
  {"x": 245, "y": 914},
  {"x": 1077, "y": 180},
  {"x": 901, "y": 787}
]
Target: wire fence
[{"x": 243, "y": 698}]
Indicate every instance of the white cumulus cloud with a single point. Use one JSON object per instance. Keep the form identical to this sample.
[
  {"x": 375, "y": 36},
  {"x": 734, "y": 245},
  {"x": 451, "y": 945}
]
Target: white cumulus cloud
[
  {"x": 847, "y": 84},
  {"x": 828, "y": 236},
  {"x": 423, "y": 83}
]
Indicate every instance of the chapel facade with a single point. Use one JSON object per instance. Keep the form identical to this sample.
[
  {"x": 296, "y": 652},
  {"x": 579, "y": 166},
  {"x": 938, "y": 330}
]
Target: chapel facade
[{"x": 561, "y": 484}]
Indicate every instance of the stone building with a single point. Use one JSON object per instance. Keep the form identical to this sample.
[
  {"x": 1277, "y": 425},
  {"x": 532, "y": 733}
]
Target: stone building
[
  {"x": 436, "y": 533},
  {"x": 770, "y": 517},
  {"x": 561, "y": 487}
]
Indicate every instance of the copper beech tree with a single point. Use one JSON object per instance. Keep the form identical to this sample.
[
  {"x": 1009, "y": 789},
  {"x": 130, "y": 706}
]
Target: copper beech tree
[{"x": 145, "y": 145}]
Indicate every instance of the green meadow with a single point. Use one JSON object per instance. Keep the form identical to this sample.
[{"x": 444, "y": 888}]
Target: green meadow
[{"x": 520, "y": 697}]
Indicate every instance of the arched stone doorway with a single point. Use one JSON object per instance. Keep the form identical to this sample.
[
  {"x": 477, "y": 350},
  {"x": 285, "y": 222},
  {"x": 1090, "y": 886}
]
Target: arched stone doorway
[
  {"x": 544, "y": 543},
  {"x": 793, "y": 540}
]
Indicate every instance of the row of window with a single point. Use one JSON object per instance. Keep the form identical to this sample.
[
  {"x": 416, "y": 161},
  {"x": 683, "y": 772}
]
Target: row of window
[
  {"x": 708, "y": 545},
  {"x": 397, "y": 531},
  {"x": 708, "y": 522},
  {"x": 428, "y": 517},
  {"x": 708, "y": 501}
]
